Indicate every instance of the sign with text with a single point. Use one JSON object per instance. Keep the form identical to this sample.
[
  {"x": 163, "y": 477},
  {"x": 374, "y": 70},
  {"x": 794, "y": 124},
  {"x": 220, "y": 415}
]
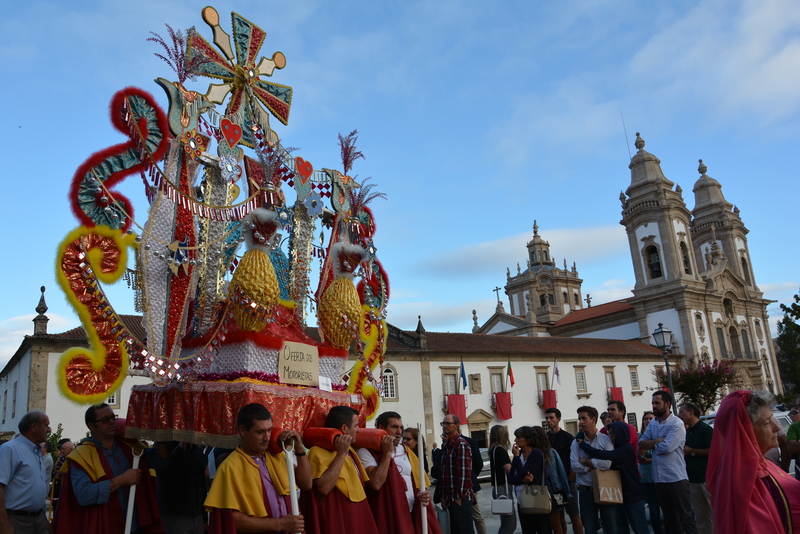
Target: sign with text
[{"x": 298, "y": 363}]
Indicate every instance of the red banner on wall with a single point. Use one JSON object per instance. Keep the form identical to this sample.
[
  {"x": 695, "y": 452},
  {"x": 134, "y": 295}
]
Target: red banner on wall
[
  {"x": 616, "y": 394},
  {"x": 502, "y": 403},
  {"x": 457, "y": 405},
  {"x": 549, "y": 398}
]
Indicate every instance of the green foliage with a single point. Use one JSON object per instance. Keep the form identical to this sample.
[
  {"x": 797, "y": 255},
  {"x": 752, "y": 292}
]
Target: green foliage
[
  {"x": 53, "y": 439},
  {"x": 789, "y": 346},
  {"x": 701, "y": 384}
]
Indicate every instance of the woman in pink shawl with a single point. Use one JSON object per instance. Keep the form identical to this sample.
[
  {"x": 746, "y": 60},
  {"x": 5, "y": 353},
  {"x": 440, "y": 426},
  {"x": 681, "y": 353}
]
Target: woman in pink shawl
[{"x": 749, "y": 494}]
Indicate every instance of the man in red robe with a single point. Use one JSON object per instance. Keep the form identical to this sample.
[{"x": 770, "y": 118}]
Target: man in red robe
[
  {"x": 94, "y": 495},
  {"x": 393, "y": 491},
  {"x": 251, "y": 490},
  {"x": 338, "y": 502}
]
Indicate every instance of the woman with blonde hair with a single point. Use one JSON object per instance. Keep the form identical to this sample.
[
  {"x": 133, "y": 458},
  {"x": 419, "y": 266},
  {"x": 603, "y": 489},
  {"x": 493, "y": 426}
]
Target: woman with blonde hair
[{"x": 500, "y": 464}]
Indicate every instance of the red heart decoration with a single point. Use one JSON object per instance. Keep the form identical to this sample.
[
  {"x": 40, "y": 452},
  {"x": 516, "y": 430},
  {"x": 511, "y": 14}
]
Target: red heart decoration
[
  {"x": 304, "y": 168},
  {"x": 231, "y": 131}
]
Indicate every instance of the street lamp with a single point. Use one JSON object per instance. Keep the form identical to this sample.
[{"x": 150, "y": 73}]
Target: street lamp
[{"x": 663, "y": 339}]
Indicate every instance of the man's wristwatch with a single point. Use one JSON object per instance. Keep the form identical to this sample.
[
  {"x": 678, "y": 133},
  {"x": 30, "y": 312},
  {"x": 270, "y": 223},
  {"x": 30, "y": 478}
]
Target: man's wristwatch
[{"x": 692, "y": 453}]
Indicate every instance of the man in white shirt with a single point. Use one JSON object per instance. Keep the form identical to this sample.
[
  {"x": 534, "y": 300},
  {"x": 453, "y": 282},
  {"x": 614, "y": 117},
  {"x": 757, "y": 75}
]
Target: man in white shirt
[
  {"x": 582, "y": 465},
  {"x": 381, "y": 478},
  {"x": 666, "y": 436}
]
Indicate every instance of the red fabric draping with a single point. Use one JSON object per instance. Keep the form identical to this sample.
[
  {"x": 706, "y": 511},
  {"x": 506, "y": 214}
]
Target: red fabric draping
[
  {"x": 616, "y": 394},
  {"x": 741, "y": 501},
  {"x": 105, "y": 518},
  {"x": 205, "y": 412},
  {"x": 457, "y": 405},
  {"x": 503, "y": 405},
  {"x": 549, "y": 398}
]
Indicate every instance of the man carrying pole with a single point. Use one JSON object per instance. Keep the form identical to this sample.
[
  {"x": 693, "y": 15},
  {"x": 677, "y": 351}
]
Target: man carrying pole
[
  {"x": 95, "y": 493},
  {"x": 252, "y": 490},
  {"x": 394, "y": 475}
]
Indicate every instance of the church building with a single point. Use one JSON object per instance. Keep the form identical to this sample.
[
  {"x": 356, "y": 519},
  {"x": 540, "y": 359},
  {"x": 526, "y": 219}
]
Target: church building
[{"x": 693, "y": 275}]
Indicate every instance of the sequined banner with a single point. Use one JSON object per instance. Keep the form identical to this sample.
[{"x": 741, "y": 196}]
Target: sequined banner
[{"x": 205, "y": 412}]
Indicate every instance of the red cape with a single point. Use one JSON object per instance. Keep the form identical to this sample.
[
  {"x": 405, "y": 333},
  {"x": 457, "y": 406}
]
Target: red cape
[
  {"x": 335, "y": 513},
  {"x": 108, "y": 518},
  {"x": 390, "y": 506}
]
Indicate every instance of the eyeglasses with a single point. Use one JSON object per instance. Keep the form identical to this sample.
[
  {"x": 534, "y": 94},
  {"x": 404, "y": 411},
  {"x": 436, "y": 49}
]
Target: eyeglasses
[
  {"x": 445, "y": 423},
  {"x": 107, "y": 419}
]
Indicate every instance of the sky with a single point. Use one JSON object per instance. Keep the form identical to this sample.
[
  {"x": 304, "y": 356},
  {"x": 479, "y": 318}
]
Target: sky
[{"x": 475, "y": 119}]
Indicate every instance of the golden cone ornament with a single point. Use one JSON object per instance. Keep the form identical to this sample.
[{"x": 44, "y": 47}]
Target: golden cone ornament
[
  {"x": 339, "y": 313},
  {"x": 255, "y": 289}
]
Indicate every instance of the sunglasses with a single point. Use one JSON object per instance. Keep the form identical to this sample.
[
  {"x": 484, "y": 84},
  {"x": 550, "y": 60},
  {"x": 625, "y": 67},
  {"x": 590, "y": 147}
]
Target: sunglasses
[
  {"x": 107, "y": 419},
  {"x": 445, "y": 423}
]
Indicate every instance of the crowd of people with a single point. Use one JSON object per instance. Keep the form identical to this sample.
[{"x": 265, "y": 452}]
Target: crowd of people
[{"x": 701, "y": 479}]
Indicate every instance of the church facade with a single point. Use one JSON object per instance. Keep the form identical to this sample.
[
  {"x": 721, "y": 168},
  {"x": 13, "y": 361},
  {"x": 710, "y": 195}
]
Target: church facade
[{"x": 693, "y": 275}]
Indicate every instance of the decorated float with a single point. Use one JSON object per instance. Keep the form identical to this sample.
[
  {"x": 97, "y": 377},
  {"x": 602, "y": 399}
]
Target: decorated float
[{"x": 222, "y": 262}]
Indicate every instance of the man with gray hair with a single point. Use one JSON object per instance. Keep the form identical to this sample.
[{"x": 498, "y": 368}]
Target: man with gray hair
[{"x": 23, "y": 482}]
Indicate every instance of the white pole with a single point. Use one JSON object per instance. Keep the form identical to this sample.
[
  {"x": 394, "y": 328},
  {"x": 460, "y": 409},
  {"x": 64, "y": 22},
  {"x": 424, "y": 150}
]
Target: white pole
[
  {"x": 132, "y": 495},
  {"x": 421, "y": 459},
  {"x": 290, "y": 468}
]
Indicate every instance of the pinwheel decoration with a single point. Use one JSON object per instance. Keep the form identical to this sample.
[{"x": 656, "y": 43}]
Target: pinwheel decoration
[{"x": 241, "y": 77}]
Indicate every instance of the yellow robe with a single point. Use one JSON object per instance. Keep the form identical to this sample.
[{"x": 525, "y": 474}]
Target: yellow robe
[
  {"x": 237, "y": 484},
  {"x": 349, "y": 482}
]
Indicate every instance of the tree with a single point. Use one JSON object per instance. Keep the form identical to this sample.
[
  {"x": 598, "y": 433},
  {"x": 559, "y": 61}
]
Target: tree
[
  {"x": 54, "y": 438},
  {"x": 703, "y": 385},
  {"x": 789, "y": 346}
]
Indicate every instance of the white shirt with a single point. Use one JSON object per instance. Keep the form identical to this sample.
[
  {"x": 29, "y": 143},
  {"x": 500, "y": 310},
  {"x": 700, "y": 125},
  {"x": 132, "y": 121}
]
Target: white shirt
[
  {"x": 403, "y": 464},
  {"x": 583, "y": 474}
]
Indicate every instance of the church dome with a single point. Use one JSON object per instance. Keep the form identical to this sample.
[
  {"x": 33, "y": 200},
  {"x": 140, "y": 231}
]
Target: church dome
[{"x": 707, "y": 191}]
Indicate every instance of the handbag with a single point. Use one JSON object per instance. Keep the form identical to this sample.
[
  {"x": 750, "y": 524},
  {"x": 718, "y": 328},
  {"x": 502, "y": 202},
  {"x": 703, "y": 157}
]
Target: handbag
[
  {"x": 535, "y": 499},
  {"x": 606, "y": 486},
  {"x": 501, "y": 504}
]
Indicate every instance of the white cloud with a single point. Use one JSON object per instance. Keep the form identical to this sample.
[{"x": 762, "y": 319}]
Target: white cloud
[
  {"x": 731, "y": 57},
  {"x": 490, "y": 258},
  {"x": 439, "y": 316},
  {"x": 14, "y": 329}
]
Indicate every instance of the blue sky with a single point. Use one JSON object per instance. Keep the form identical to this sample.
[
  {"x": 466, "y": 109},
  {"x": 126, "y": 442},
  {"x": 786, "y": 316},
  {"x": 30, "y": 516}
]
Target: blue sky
[{"x": 475, "y": 119}]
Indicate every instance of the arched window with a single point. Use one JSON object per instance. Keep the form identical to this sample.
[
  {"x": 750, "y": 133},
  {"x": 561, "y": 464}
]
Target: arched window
[
  {"x": 727, "y": 305},
  {"x": 735, "y": 347},
  {"x": 721, "y": 340},
  {"x": 687, "y": 267},
  {"x": 746, "y": 272},
  {"x": 746, "y": 343},
  {"x": 542, "y": 299},
  {"x": 545, "y": 255},
  {"x": 389, "y": 384},
  {"x": 533, "y": 256},
  {"x": 653, "y": 261},
  {"x": 551, "y": 299},
  {"x": 575, "y": 299},
  {"x": 566, "y": 298}
]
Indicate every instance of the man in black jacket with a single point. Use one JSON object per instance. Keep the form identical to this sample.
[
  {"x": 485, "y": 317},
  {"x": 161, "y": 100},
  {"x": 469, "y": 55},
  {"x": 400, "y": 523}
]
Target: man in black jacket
[{"x": 477, "y": 467}]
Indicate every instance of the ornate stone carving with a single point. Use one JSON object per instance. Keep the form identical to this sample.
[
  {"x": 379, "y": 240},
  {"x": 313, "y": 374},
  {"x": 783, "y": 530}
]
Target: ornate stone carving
[{"x": 475, "y": 384}]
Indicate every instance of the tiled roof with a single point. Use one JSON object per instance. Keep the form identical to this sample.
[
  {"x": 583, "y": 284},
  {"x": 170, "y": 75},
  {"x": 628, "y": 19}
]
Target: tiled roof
[
  {"x": 465, "y": 342},
  {"x": 595, "y": 311},
  {"x": 132, "y": 322},
  {"x": 488, "y": 344}
]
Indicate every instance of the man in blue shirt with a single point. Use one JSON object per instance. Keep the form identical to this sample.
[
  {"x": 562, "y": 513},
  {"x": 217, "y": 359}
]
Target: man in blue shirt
[
  {"x": 23, "y": 481},
  {"x": 666, "y": 435},
  {"x": 99, "y": 478}
]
